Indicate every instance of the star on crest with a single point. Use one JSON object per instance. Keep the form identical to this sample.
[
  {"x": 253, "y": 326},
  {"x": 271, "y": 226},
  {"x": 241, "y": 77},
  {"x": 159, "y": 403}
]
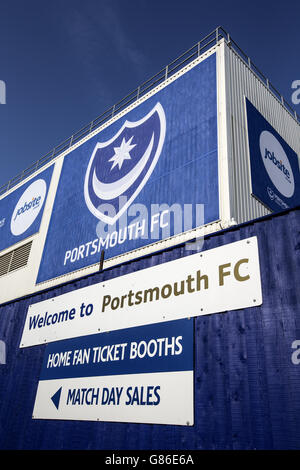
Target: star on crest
[{"x": 122, "y": 153}]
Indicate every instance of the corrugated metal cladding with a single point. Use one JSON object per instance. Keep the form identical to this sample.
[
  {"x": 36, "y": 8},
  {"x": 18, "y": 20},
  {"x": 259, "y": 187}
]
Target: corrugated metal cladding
[
  {"x": 242, "y": 82},
  {"x": 247, "y": 389}
]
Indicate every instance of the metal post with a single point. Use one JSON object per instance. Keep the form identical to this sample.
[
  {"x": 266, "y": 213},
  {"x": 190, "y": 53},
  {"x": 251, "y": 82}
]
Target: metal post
[{"x": 101, "y": 260}]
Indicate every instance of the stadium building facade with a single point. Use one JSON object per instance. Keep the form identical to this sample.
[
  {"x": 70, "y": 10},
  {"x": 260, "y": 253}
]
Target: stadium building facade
[{"x": 149, "y": 266}]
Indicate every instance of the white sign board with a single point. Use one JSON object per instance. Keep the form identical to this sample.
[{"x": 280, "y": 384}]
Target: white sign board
[
  {"x": 216, "y": 280},
  {"x": 117, "y": 399}
]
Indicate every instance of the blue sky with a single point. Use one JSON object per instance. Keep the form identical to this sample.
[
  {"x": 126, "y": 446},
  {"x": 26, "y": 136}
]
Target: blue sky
[{"x": 65, "y": 62}]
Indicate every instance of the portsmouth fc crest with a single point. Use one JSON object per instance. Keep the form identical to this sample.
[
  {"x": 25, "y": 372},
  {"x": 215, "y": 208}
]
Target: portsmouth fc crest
[{"x": 122, "y": 165}]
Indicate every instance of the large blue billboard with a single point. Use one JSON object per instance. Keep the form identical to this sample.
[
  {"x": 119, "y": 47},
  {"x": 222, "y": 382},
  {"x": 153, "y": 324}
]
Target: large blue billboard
[
  {"x": 144, "y": 178},
  {"x": 274, "y": 164},
  {"x": 21, "y": 211}
]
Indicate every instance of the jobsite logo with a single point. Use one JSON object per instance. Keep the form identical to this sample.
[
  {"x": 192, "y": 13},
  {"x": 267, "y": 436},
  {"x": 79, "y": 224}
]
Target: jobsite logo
[
  {"x": 277, "y": 164},
  {"x": 28, "y": 207}
]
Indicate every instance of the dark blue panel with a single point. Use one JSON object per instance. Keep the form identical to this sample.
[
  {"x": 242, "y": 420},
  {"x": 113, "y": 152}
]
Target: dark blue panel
[
  {"x": 173, "y": 352},
  {"x": 247, "y": 388},
  {"x": 274, "y": 165},
  {"x": 22, "y": 210},
  {"x": 109, "y": 172}
]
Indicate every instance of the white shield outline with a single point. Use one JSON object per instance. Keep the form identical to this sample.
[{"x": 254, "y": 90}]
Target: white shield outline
[{"x": 129, "y": 124}]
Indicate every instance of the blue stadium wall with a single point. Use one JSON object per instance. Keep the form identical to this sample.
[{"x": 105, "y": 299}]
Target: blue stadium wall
[{"x": 247, "y": 389}]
